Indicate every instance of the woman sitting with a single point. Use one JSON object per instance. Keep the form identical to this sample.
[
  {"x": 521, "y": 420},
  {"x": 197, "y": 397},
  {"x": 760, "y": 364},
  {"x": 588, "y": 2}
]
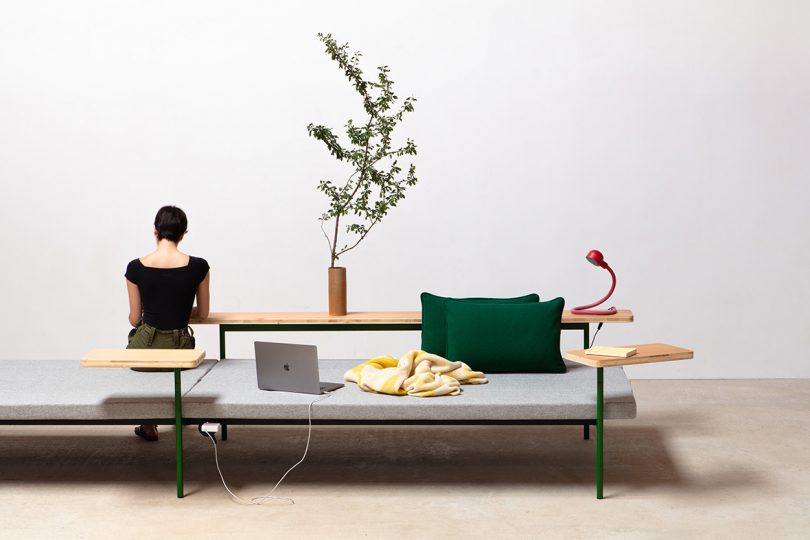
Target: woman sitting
[{"x": 162, "y": 287}]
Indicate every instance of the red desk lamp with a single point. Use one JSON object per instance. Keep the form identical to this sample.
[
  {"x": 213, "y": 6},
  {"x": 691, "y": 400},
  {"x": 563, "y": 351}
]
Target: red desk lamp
[{"x": 596, "y": 258}]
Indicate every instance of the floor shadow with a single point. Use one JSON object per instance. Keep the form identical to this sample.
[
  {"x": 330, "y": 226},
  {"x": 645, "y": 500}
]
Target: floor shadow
[{"x": 636, "y": 457}]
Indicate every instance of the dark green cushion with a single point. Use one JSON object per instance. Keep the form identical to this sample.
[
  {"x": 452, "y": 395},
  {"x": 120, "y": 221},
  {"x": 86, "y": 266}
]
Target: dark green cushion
[
  {"x": 434, "y": 318},
  {"x": 498, "y": 338}
]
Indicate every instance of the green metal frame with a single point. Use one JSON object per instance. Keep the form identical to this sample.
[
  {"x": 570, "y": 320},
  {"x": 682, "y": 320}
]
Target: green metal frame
[
  {"x": 225, "y": 328},
  {"x": 275, "y": 327},
  {"x": 179, "y": 421},
  {"x": 599, "y": 429},
  {"x": 178, "y": 433}
]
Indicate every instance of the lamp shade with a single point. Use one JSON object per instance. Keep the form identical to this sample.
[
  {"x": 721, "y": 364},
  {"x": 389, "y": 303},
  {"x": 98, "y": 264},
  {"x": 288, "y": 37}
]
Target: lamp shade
[{"x": 596, "y": 258}]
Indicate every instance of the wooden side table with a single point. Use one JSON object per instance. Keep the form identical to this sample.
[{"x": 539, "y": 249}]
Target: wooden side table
[
  {"x": 175, "y": 359},
  {"x": 646, "y": 354}
]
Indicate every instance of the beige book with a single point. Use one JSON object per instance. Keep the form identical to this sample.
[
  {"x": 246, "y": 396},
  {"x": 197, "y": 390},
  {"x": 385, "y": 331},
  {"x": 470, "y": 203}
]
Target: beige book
[{"x": 618, "y": 352}]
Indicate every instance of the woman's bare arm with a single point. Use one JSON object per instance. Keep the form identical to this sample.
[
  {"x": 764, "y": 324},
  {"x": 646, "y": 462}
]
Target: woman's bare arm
[
  {"x": 200, "y": 311},
  {"x": 135, "y": 308}
]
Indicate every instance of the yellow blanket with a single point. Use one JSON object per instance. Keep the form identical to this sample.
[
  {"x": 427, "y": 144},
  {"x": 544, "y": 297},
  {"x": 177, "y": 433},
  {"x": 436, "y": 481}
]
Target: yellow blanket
[{"x": 416, "y": 374}]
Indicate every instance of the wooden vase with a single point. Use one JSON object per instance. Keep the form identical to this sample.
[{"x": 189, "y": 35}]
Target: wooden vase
[{"x": 337, "y": 290}]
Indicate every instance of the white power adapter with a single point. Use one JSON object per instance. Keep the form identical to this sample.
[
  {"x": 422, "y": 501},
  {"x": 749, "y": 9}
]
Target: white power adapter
[{"x": 211, "y": 427}]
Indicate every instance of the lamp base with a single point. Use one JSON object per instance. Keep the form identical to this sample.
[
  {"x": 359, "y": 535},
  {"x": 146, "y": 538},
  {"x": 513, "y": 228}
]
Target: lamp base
[{"x": 609, "y": 311}]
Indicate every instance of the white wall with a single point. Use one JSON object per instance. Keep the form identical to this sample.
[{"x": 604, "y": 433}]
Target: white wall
[{"x": 671, "y": 135}]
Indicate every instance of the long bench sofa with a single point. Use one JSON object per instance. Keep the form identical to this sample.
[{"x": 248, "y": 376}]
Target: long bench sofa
[{"x": 226, "y": 391}]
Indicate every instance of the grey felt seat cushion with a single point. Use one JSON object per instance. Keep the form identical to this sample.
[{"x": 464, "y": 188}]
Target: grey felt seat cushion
[
  {"x": 230, "y": 390},
  {"x": 63, "y": 390},
  {"x": 51, "y": 390}
]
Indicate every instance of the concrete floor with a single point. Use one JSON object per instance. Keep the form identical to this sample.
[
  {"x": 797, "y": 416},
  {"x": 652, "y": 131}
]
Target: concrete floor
[{"x": 704, "y": 459}]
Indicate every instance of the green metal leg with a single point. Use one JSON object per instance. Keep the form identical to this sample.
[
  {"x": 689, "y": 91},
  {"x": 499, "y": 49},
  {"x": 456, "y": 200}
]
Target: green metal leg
[
  {"x": 221, "y": 342},
  {"x": 178, "y": 432},
  {"x": 599, "y": 431}
]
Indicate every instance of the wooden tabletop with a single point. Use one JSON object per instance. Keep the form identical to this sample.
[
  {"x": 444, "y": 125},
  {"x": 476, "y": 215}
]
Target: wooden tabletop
[
  {"x": 144, "y": 358},
  {"x": 645, "y": 354},
  {"x": 370, "y": 317}
]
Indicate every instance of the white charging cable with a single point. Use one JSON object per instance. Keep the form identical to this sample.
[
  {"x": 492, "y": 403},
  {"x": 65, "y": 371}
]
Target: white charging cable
[{"x": 254, "y": 500}]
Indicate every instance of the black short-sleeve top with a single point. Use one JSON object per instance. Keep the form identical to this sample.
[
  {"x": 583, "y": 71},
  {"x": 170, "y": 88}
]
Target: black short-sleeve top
[{"x": 167, "y": 294}]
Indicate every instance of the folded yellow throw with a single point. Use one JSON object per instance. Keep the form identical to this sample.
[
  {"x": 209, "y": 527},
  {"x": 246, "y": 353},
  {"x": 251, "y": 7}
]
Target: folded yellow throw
[{"x": 416, "y": 374}]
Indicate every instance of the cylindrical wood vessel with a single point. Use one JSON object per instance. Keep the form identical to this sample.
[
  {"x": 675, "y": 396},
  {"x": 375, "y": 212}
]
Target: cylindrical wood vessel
[{"x": 337, "y": 290}]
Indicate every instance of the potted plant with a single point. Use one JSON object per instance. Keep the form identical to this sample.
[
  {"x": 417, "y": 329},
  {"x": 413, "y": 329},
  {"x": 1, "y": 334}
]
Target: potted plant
[{"x": 377, "y": 179}]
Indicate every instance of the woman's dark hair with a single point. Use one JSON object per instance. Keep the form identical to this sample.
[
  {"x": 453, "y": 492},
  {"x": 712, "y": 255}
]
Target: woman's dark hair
[{"x": 171, "y": 223}]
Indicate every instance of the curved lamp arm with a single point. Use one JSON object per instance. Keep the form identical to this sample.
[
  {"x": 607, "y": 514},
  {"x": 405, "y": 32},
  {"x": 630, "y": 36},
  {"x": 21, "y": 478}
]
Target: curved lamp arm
[{"x": 586, "y": 310}]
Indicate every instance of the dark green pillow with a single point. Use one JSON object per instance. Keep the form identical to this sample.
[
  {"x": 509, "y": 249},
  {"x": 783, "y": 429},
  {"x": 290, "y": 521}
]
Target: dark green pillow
[
  {"x": 434, "y": 318},
  {"x": 516, "y": 338}
]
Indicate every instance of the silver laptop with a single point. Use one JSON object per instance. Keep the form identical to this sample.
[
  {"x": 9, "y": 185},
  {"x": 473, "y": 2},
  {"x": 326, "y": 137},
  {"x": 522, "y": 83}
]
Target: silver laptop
[{"x": 290, "y": 368}]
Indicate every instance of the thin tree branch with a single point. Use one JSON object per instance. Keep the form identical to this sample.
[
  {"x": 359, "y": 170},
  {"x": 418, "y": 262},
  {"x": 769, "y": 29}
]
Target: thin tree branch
[
  {"x": 362, "y": 171},
  {"x": 348, "y": 183},
  {"x": 334, "y": 242},
  {"x": 328, "y": 243},
  {"x": 341, "y": 252}
]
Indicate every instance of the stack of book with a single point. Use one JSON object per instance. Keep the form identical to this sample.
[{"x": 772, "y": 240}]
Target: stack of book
[{"x": 617, "y": 352}]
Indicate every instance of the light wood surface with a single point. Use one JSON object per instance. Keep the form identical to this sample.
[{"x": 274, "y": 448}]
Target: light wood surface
[
  {"x": 621, "y": 316},
  {"x": 370, "y": 317},
  {"x": 646, "y": 354},
  {"x": 144, "y": 358}
]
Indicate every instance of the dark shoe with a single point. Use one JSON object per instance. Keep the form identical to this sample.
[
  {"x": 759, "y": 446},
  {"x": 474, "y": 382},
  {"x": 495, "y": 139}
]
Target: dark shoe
[{"x": 148, "y": 432}]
